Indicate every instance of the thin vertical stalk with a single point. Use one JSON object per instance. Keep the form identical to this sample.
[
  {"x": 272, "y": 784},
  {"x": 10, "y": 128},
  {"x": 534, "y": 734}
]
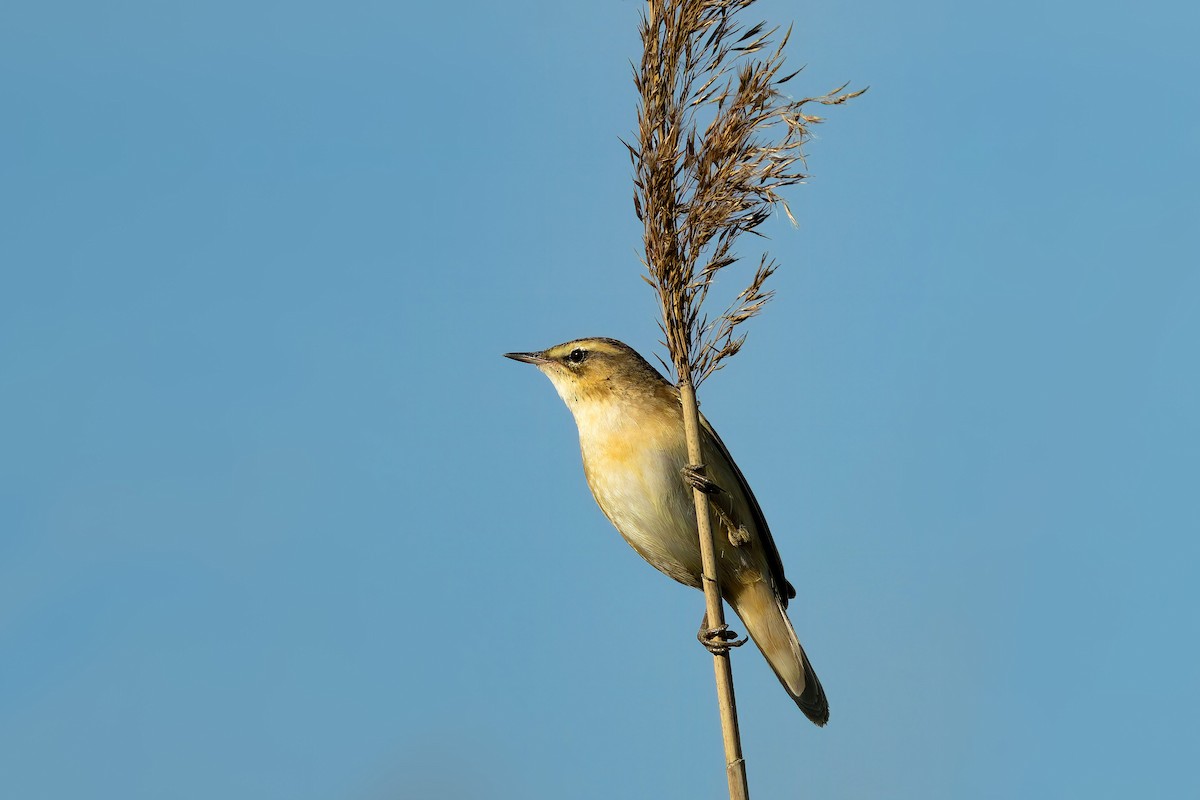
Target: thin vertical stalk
[{"x": 735, "y": 763}]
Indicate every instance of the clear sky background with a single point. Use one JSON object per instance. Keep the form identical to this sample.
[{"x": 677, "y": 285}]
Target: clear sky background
[{"x": 277, "y": 521}]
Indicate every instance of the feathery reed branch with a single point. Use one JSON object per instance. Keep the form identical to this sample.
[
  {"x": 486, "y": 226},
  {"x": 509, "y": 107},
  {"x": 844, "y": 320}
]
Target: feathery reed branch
[{"x": 717, "y": 141}]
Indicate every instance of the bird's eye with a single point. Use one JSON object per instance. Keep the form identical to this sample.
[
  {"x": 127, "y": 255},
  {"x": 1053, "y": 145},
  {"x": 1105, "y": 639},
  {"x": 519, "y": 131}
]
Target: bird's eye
[{"x": 577, "y": 355}]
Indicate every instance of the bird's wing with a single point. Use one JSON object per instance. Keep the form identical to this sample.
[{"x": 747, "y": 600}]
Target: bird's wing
[{"x": 785, "y": 590}]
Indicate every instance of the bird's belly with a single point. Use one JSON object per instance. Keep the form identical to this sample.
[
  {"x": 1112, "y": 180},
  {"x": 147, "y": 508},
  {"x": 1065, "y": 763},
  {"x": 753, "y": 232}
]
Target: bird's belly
[{"x": 642, "y": 493}]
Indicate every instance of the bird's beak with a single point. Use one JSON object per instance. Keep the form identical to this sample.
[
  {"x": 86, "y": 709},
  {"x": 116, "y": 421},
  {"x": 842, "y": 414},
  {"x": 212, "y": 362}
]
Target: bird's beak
[{"x": 528, "y": 358}]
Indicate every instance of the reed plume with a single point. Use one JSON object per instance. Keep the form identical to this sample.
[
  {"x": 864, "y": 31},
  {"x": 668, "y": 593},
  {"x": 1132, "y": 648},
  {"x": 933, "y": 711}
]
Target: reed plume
[{"x": 717, "y": 141}]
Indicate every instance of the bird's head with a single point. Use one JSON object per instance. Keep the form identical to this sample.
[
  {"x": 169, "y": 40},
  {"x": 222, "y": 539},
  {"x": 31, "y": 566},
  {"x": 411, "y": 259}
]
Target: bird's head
[{"x": 596, "y": 370}]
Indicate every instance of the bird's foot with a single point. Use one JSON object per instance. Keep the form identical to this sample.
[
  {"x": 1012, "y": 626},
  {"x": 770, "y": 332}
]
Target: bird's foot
[
  {"x": 719, "y": 640},
  {"x": 693, "y": 476}
]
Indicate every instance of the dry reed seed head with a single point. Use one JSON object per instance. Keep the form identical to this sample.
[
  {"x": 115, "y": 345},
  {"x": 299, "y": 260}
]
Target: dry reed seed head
[{"x": 717, "y": 140}]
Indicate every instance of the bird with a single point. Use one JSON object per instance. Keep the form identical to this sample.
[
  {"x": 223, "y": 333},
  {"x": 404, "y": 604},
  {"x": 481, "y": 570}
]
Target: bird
[{"x": 635, "y": 459}]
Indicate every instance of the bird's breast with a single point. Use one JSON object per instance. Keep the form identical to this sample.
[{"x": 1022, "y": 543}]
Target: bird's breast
[{"x": 632, "y": 463}]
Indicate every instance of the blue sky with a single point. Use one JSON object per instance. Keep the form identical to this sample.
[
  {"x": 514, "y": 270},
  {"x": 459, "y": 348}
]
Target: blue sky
[{"x": 276, "y": 520}]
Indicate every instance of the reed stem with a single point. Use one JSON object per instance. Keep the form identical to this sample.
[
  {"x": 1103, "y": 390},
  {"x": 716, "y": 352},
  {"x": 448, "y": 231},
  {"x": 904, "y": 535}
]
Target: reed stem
[{"x": 735, "y": 762}]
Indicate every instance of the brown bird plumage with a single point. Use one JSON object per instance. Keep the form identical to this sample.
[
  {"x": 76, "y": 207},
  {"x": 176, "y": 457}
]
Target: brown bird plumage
[{"x": 631, "y": 436}]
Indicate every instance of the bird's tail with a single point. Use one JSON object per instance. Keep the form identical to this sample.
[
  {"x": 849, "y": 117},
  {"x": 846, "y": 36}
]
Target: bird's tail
[{"x": 768, "y": 625}]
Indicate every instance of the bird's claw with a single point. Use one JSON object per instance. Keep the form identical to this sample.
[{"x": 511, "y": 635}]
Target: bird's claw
[
  {"x": 693, "y": 475},
  {"x": 719, "y": 640}
]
